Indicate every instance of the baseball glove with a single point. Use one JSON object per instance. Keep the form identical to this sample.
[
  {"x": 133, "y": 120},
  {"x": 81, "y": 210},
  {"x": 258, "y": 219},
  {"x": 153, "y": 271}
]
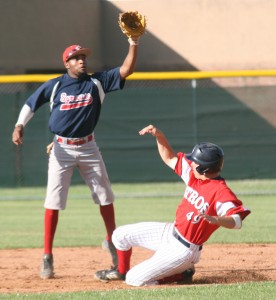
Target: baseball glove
[{"x": 132, "y": 24}]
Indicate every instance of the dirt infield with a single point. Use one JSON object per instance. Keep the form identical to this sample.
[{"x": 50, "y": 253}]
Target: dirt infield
[{"x": 74, "y": 267}]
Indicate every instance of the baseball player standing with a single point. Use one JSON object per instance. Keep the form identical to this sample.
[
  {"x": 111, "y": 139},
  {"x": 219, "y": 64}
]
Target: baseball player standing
[
  {"x": 75, "y": 101},
  {"x": 207, "y": 204}
]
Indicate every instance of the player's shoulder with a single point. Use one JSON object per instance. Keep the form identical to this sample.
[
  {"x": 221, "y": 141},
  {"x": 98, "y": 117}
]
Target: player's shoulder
[
  {"x": 97, "y": 75},
  {"x": 52, "y": 82},
  {"x": 106, "y": 73},
  {"x": 219, "y": 182},
  {"x": 225, "y": 190}
]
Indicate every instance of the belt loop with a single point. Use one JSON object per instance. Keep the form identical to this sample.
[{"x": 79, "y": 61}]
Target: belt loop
[{"x": 60, "y": 139}]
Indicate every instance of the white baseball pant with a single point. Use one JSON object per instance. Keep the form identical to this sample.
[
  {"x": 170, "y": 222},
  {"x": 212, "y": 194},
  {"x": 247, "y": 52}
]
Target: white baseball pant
[
  {"x": 171, "y": 256},
  {"x": 62, "y": 162}
]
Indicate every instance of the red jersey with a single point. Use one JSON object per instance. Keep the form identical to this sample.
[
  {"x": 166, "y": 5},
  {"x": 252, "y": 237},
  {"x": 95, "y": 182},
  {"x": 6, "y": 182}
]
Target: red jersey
[{"x": 210, "y": 196}]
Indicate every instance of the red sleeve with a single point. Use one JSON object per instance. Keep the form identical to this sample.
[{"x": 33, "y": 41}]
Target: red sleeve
[
  {"x": 243, "y": 212},
  {"x": 178, "y": 166},
  {"x": 226, "y": 195}
]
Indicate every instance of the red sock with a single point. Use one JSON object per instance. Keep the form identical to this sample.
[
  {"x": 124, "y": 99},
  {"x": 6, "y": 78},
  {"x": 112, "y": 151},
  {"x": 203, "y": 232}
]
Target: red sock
[
  {"x": 124, "y": 260},
  {"x": 50, "y": 225},
  {"x": 108, "y": 215}
]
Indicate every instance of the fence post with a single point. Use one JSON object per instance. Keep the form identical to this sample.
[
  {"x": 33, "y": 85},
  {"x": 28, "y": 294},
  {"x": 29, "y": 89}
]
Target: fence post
[
  {"x": 194, "y": 86},
  {"x": 18, "y": 149}
]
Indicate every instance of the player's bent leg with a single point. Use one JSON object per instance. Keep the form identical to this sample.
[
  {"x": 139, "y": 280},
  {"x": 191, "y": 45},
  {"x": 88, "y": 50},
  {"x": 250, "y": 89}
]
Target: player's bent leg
[
  {"x": 185, "y": 277},
  {"x": 170, "y": 259},
  {"x": 138, "y": 276},
  {"x": 119, "y": 272},
  {"x": 144, "y": 234}
]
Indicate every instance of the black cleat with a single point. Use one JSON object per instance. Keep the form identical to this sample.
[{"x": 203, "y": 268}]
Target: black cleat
[
  {"x": 108, "y": 275},
  {"x": 188, "y": 275}
]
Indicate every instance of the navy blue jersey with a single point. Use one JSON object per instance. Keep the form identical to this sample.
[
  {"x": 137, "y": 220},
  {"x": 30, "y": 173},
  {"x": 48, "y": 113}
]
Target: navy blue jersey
[{"x": 76, "y": 103}]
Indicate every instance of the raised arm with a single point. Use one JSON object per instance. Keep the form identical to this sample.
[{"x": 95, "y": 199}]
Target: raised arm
[
  {"x": 127, "y": 68},
  {"x": 133, "y": 25},
  {"x": 165, "y": 150}
]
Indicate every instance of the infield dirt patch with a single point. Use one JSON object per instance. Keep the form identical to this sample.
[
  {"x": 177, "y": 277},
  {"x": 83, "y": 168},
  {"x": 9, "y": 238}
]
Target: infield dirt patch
[{"x": 75, "y": 267}]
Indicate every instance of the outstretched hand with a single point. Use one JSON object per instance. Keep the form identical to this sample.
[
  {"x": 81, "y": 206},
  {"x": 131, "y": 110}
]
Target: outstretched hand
[
  {"x": 166, "y": 152},
  {"x": 151, "y": 130}
]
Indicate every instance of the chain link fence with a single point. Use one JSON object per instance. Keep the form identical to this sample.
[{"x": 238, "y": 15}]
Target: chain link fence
[{"x": 238, "y": 117}]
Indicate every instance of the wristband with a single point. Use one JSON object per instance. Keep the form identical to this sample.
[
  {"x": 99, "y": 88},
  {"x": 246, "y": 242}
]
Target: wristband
[
  {"x": 238, "y": 221},
  {"x": 133, "y": 42}
]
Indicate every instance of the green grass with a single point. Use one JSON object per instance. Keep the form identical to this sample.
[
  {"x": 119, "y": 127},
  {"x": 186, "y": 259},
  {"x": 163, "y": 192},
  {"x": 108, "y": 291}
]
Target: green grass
[
  {"x": 249, "y": 291},
  {"x": 21, "y": 223}
]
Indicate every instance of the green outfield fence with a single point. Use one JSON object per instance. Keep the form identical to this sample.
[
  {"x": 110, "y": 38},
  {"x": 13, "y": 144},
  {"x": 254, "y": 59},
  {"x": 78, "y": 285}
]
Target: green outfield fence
[{"x": 235, "y": 109}]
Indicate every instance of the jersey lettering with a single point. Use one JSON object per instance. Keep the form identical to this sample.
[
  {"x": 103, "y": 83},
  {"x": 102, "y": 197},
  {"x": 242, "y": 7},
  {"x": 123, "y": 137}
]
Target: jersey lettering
[
  {"x": 196, "y": 200},
  {"x": 72, "y": 101},
  {"x": 199, "y": 203},
  {"x": 191, "y": 216},
  {"x": 196, "y": 219},
  {"x": 193, "y": 197}
]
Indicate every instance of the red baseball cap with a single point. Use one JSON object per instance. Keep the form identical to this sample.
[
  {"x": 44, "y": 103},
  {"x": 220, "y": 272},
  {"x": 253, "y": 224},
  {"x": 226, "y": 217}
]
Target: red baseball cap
[{"x": 74, "y": 50}]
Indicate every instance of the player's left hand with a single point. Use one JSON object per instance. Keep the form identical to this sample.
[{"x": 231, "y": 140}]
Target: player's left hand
[
  {"x": 49, "y": 148},
  {"x": 209, "y": 219},
  {"x": 149, "y": 129},
  {"x": 17, "y": 135},
  {"x": 133, "y": 24}
]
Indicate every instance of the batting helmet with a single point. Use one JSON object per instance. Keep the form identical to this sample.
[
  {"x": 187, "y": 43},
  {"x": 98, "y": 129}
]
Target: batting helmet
[{"x": 208, "y": 156}]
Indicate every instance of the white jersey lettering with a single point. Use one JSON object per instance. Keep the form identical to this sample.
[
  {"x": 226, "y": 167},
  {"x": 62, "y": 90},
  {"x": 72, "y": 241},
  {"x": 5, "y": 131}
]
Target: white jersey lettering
[
  {"x": 196, "y": 200},
  {"x": 72, "y": 101}
]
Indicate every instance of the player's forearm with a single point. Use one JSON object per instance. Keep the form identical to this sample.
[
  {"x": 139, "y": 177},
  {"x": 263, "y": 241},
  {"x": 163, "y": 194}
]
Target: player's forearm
[
  {"x": 165, "y": 150},
  {"x": 229, "y": 222},
  {"x": 129, "y": 63}
]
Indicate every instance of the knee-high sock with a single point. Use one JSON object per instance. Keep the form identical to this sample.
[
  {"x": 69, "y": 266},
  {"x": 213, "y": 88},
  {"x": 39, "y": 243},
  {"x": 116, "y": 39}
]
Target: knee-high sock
[
  {"x": 108, "y": 215},
  {"x": 50, "y": 225},
  {"x": 124, "y": 260}
]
